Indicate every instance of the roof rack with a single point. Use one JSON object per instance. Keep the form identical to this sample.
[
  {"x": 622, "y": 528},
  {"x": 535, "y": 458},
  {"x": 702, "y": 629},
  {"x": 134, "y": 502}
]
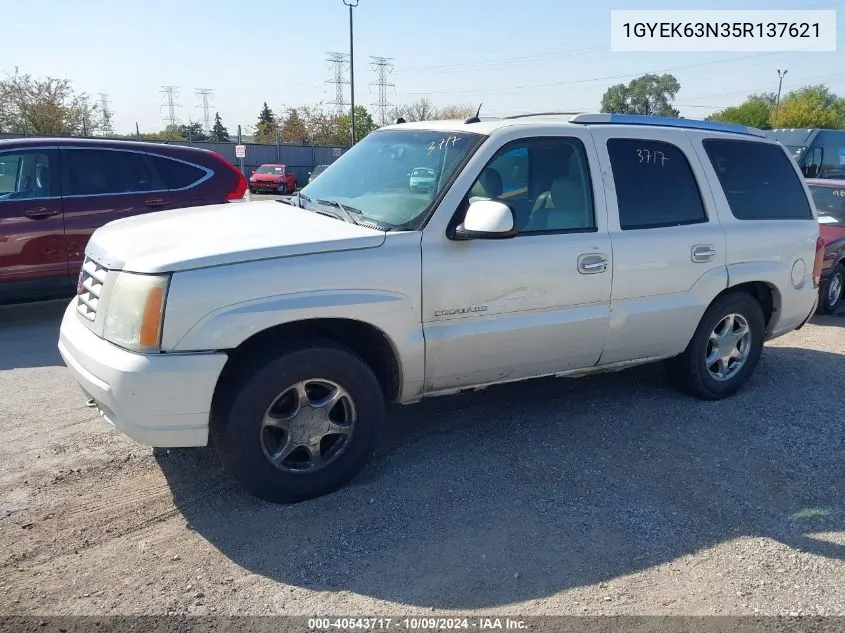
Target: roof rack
[
  {"x": 530, "y": 114},
  {"x": 640, "y": 119}
]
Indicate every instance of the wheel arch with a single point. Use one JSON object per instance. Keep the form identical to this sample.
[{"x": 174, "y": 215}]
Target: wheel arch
[{"x": 766, "y": 294}]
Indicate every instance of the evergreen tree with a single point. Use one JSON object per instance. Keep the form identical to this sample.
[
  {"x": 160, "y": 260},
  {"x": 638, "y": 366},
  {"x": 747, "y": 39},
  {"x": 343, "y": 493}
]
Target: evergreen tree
[{"x": 219, "y": 133}]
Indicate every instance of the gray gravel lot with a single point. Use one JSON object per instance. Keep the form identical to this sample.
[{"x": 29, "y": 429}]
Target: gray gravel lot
[{"x": 604, "y": 495}]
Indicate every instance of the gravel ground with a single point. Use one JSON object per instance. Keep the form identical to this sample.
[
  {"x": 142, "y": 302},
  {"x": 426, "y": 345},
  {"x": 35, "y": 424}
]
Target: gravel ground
[{"x": 604, "y": 495}]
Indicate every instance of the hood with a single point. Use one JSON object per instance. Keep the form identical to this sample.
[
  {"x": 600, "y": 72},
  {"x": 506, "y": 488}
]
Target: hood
[
  {"x": 266, "y": 177},
  {"x": 215, "y": 235}
]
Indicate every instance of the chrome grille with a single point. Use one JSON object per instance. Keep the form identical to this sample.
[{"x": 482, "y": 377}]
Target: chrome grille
[{"x": 90, "y": 287}]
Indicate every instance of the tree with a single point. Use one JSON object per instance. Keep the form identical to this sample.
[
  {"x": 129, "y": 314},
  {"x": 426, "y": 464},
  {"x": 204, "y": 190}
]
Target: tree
[
  {"x": 650, "y": 94},
  {"x": 424, "y": 110},
  {"x": 266, "y": 130},
  {"x": 192, "y": 132},
  {"x": 219, "y": 133},
  {"x": 293, "y": 128},
  {"x": 455, "y": 112},
  {"x": 812, "y": 106},
  {"x": 364, "y": 124},
  {"x": 755, "y": 111},
  {"x": 46, "y": 107}
]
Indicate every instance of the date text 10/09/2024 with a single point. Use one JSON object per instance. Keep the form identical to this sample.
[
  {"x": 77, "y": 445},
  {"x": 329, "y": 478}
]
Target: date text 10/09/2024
[{"x": 416, "y": 624}]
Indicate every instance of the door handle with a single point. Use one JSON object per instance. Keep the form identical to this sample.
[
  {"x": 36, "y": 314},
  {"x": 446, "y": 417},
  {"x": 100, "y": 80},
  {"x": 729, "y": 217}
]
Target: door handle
[
  {"x": 39, "y": 213},
  {"x": 703, "y": 253},
  {"x": 156, "y": 202},
  {"x": 590, "y": 263}
]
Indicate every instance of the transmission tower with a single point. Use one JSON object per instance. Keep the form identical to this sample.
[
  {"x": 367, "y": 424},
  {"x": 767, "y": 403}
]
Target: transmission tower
[
  {"x": 205, "y": 95},
  {"x": 107, "y": 114},
  {"x": 171, "y": 93},
  {"x": 383, "y": 67},
  {"x": 339, "y": 63}
]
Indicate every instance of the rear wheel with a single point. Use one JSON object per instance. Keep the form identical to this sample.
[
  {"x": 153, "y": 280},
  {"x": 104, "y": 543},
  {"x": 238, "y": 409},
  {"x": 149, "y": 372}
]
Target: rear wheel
[
  {"x": 300, "y": 424},
  {"x": 724, "y": 351},
  {"x": 831, "y": 290}
]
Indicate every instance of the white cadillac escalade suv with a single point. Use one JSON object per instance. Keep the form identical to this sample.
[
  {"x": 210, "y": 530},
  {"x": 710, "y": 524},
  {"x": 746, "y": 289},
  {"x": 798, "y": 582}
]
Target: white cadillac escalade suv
[{"x": 546, "y": 246}]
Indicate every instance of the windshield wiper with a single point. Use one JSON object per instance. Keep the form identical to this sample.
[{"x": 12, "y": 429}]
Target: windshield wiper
[{"x": 346, "y": 211}]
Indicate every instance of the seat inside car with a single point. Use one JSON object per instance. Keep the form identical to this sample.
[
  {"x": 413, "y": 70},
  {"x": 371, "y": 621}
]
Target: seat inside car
[{"x": 565, "y": 205}]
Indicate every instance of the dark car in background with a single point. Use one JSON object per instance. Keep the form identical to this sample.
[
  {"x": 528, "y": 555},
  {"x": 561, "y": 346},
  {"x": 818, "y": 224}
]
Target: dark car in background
[
  {"x": 829, "y": 197},
  {"x": 319, "y": 169},
  {"x": 819, "y": 153},
  {"x": 54, "y": 193}
]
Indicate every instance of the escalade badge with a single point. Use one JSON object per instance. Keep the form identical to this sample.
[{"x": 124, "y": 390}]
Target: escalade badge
[{"x": 454, "y": 311}]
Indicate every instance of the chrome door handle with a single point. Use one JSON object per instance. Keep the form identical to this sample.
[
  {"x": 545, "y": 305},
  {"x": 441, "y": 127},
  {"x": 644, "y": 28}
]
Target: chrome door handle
[
  {"x": 590, "y": 263},
  {"x": 702, "y": 253}
]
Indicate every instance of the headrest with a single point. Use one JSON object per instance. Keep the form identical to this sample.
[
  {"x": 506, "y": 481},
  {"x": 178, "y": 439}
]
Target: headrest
[
  {"x": 489, "y": 184},
  {"x": 567, "y": 192}
]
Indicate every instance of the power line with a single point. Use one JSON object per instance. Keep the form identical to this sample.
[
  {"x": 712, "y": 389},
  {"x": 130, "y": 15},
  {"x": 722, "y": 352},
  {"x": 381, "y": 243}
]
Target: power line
[
  {"x": 338, "y": 63},
  {"x": 107, "y": 115},
  {"x": 205, "y": 95},
  {"x": 171, "y": 93},
  {"x": 383, "y": 67}
]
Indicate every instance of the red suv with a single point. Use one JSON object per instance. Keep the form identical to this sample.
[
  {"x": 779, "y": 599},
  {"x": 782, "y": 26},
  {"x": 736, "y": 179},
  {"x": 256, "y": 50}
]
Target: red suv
[
  {"x": 54, "y": 193},
  {"x": 829, "y": 196},
  {"x": 273, "y": 178}
]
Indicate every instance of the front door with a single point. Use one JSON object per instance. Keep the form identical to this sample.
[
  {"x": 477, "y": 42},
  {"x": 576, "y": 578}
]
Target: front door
[
  {"x": 33, "y": 262},
  {"x": 531, "y": 305},
  {"x": 101, "y": 185}
]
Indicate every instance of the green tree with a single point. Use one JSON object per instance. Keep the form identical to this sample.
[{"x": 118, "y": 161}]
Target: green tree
[
  {"x": 755, "y": 111},
  {"x": 219, "y": 133},
  {"x": 812, "y": 106},
  {"x": 364, "y": 124},
  {"x": 192, "y": 132},
  {"x": 267, "y": 129},
  {"x": 294, "y": 128},
  {"x": 47, "y": 106},
  {"x": 650, "y": 94}
]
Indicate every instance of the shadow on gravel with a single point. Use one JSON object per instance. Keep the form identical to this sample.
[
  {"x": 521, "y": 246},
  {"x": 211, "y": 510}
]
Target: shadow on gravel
[
  {"x": 29, "y": 334},
  {"x": 529, "y": 489},
  {"x": 837, "y": 319}
]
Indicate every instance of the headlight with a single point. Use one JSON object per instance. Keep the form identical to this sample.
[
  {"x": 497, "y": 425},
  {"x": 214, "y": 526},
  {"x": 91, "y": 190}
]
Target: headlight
[{"x": 135, "y": 311}]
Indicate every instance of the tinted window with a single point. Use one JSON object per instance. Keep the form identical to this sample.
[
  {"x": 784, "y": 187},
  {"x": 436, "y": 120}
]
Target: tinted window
[
  {"x": 176, "y": 174},
  {"x": 546, "y": 182},
  {"x": 833, "y": 162},
  {"x": 96, "y": 172},
  {"x": 830, "y": 204},
  {"x": 655, "y": 185},
  {"x": 27, "y": 174},
  {"x": 759, "y": 180}
]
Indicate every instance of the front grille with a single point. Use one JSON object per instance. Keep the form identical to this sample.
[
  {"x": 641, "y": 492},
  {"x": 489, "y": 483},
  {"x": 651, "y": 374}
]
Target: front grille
[{"x": 90, "y": 287}]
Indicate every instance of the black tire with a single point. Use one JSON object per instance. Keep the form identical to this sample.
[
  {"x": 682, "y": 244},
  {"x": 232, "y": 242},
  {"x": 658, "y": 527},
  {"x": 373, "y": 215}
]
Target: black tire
[
  {"x": 252, "y": 189},
  {"x": 238, "y": 413},
  {"x": 826, "y": 305},
  {"x": 689, "y": 371}
]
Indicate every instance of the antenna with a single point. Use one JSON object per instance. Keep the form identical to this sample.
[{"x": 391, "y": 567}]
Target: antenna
[{"x": 475, "y": 119}]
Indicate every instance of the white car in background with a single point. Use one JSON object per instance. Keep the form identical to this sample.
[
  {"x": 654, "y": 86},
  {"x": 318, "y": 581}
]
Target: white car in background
[{"x": 422, "y": 180}]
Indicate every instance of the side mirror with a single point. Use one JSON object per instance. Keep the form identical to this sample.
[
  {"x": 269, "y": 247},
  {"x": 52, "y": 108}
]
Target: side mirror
[
  {"x": 252, "y": 172},
  {"x": 487, "y": 220}
]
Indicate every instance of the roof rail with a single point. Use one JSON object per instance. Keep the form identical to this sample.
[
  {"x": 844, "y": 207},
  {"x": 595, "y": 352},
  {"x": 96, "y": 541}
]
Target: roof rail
[
  {"x": 530, "y": 114},
  {"x": 640, "y": 119}
]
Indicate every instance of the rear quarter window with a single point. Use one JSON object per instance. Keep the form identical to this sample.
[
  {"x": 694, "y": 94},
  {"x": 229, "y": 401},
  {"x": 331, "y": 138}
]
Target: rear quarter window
[
  {"x": 176, "y": 174},
  {"x": 759, "y": 180}
]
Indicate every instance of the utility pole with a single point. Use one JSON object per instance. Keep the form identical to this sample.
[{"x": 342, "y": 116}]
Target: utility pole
[
  {"x": 205, "y": 95},
  {"x": 781, "y": 75},
  {"x": 170, "y": 94},
  {"x": 383, "y": 66},
  {"x": 338, "y": 63},
  {"x": 351, "y": 4}
]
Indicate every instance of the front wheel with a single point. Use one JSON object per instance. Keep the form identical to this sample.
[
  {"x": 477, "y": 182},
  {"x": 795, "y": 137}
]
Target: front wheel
[
  {"x": 831, "y": 290},
  {"x": 301, "y": 424},
  {"x": 724, "y": 351}
]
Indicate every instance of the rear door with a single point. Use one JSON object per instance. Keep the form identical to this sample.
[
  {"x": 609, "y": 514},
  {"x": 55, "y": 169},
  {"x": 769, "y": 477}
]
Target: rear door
[
  {"x": 32, "y": 241},
  {"x": 668, "y": 245},
  {"x": 100, "y": 185}
]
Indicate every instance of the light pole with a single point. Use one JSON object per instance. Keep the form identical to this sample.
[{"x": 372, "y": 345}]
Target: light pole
[
  {"x": 351, "y": 4},
  {"x": 781, "y": 75}
]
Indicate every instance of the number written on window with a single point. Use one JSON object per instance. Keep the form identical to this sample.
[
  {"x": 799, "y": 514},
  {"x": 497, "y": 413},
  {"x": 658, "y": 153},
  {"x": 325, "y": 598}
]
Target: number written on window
[
  {"x": 651, "y": 157},
  {"x": 443, "y": 143}
]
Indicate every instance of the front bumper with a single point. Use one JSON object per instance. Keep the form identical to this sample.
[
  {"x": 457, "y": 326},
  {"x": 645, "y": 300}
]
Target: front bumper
[
  {"x": 268, "y": 186},
  {"x": 161, "y": 400}
]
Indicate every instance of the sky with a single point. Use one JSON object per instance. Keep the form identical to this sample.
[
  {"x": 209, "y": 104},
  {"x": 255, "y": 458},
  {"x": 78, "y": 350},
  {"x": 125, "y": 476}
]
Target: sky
[{"x": 526, "y": 56}]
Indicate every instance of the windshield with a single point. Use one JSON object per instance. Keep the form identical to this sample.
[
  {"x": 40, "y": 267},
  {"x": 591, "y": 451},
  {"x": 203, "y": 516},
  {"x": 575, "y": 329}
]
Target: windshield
[
  {"x": 269, "y": 169},
  {"x": 374, "y": 176},
  {"x": 830, "y": 204},
  {"x": 796, "y": 151}
]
